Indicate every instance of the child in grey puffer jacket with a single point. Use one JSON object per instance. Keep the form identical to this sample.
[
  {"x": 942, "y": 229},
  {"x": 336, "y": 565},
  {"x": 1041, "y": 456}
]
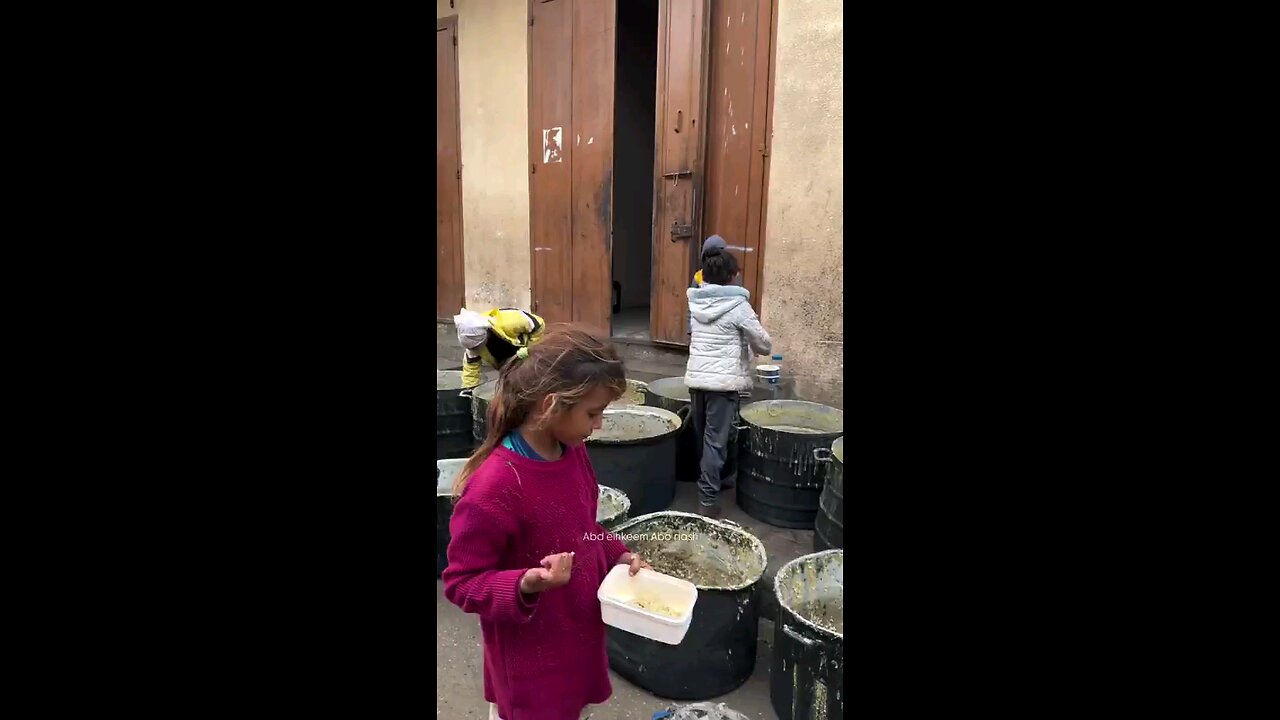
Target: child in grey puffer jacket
[{"x": 725, "y": 334}]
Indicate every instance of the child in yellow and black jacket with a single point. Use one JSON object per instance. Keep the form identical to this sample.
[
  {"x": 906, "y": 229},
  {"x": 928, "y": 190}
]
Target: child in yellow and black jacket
[{"x": 494, "y": 338}]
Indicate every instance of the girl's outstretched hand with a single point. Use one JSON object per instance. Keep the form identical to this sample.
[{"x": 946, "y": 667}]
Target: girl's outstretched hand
[
  {"x": 635, "y": 561},
  {"x": 555, "y": 571}
]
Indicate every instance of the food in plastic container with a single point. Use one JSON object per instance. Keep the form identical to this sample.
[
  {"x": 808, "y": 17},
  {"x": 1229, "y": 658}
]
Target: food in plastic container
[{"x": 649, "y": 604}]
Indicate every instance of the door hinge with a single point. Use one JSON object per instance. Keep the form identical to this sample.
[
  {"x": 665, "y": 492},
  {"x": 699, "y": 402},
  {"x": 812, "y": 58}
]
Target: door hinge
[
  {"x": 459, "y": 173},
  {"x": 530, "y": 21},
  {"x": 533, "y": 169},
  {"x": 455, "y": 41},
  {"x": 763, "y": 150}
]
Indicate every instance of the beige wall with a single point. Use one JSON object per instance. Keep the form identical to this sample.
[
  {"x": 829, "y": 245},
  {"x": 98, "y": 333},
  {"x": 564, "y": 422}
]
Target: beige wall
[
  {"x": 802, "y": 302},
  {"x": 493, "y": 80}
]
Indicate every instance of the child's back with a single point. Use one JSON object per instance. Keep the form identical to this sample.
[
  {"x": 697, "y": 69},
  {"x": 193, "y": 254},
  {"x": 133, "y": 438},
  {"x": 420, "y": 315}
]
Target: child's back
[{"x": 724, "y": 333}]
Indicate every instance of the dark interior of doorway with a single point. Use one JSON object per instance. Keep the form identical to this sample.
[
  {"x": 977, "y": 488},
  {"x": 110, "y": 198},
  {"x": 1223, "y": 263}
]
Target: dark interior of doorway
[{"x": 635, "y": 91}]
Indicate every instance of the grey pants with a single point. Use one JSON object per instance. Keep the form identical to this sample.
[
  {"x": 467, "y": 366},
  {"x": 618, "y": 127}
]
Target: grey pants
[{"x": 713, "y": 415}]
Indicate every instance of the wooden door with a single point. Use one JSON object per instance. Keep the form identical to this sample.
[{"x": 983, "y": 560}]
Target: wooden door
[
  {"x": 551, "y": 157},
  {"x": 450, "y": 287},
  {"x": 678, "y": 158},
  {"x": 571, "y": 67},
  {"x": 594, "y": 49},
  {"x": 738, "y": 130}
]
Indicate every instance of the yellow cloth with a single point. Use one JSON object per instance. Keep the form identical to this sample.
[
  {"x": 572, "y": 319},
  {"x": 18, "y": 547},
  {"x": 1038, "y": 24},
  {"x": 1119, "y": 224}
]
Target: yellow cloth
[{"x": 517, "y": 328}]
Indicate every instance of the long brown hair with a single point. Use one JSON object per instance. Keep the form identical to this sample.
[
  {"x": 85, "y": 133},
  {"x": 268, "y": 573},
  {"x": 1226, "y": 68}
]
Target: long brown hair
[{"x": 567, "y": 364}]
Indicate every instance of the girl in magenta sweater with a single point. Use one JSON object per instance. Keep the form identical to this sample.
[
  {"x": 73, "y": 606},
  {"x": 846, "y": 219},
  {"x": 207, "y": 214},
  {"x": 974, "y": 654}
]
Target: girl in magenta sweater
[{"x": 521, "y": 556}]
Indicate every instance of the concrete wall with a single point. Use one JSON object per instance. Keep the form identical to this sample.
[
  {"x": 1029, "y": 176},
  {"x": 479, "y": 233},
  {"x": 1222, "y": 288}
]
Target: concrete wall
[
  {"x": 493, "y": 90},
  {"x": 802, "y": 301}
]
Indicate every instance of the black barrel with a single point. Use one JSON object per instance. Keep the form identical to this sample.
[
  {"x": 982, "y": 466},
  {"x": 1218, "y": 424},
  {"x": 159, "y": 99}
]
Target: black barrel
[
  {"x": 806, "y": 677},
  {"x": 672, "y": 395},
  {"x": 453, "y": 416},
  {"x": 482, "y": 395},
  {"x": 446, "y": 471},
  {"x": 778, "y": 476},
  {"x": 718, "y": 653},
  {"x": 635, "y": 394},
  {"x": 612, "y": 507},
  {"x": 635, "y": 452},
  {"x": 828, "y": 528}
]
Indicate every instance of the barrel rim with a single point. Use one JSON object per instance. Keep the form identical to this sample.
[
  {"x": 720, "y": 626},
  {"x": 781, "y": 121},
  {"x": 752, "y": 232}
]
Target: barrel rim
[
  {"x": 815, "y": 436},
  {"x": 756, "y": 543},
  {"x": 777, "y": 583},
  {"x": 641, "y": 410},
  {"x": 838, "y": 458},
  {"x": 626, "y": 503},
  {"x": 659, "y": 383}
]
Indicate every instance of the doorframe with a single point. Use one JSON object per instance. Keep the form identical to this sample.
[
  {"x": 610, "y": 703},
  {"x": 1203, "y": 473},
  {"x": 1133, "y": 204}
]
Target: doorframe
[
  {"x": 770, "y": 77},
  {"x": 450, "y": 24}
]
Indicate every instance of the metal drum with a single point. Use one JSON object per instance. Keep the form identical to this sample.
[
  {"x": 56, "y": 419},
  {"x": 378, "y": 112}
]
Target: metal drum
[
  {"x": 672, "y": 395},
  {"x": 806, "y": 677},
  {"x": 612, "y": 507},
  {"x": 828, "y": 528},
  {"x": 453, "y": 416},
  {"x": 778, "y": 476},
  {"x": 718, "y": 653},
  {"x": 635, "y": 451}
]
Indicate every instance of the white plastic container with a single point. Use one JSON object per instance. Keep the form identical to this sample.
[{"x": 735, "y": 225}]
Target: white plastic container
[{"x": 620, "y": 591}]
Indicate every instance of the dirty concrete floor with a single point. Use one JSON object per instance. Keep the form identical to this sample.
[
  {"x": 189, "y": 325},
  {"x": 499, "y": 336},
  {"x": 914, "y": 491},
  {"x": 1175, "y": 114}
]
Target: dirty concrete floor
[{"x": 459, "y": 680}]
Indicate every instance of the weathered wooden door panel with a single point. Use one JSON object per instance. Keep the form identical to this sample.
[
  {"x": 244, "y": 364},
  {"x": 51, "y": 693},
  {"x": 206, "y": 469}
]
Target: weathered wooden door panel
[
  {"x": 571, "y": 68},
  {"x": 737, "y": 130},
  {"x": 450, "y": 288},
  {"x": 551, "y": 154},
  {"x": 681, "y": 135},
  {"x": 594, "y": 40}
]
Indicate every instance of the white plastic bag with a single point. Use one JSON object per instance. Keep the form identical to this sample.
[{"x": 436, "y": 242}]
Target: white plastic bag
[
  {"x": 473, "y": 328},
  {"x": 706, "y": 711}
]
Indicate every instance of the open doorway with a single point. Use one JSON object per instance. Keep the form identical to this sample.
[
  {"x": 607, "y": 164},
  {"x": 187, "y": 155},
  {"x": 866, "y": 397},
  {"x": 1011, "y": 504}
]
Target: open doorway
[{"x": 635, "y": 90}]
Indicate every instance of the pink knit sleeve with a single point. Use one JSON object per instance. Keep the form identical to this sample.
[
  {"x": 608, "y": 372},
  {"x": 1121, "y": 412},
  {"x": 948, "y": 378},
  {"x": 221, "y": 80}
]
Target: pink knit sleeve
[{"x": 483, "y": 521}]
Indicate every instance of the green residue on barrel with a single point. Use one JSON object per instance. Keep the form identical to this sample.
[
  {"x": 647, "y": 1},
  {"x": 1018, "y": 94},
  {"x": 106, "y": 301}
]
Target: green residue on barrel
[
  {"x": 825, "y": 613},
  {"x": 797, "y": 429},
  {"x": 812, "y": 587},
  {"x": 635, "y": 423},
  {"x": 612, "y": 503},
  {"x": 793, "y": 416},
  {"x": 707, "y": 554},
  {"x": 633, "y": 396}
]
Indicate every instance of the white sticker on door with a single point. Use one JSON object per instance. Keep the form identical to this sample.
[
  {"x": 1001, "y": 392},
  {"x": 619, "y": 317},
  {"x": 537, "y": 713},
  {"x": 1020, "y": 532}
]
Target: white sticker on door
[{"x": 551, "y": 147}]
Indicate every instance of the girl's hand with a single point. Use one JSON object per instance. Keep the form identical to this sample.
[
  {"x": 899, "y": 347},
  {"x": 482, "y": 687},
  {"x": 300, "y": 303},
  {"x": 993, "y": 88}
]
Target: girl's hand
[
  {"x": 635, "y": 561},
  {"x": 555, "y": 571}
]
